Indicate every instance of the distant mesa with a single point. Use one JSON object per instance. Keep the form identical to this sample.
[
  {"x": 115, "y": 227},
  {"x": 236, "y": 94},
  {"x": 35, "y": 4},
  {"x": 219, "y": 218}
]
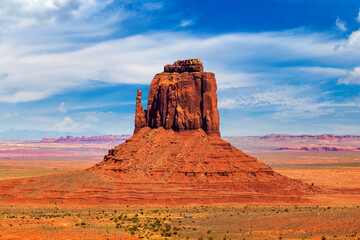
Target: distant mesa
[
  {"x": 329, "y": 137},
  {"x": 320, "y": 148},
  {"x": 70, "y": 139}
]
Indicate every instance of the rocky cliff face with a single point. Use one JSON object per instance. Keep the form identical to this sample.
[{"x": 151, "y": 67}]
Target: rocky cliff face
[{"x": 183, "y": 97}]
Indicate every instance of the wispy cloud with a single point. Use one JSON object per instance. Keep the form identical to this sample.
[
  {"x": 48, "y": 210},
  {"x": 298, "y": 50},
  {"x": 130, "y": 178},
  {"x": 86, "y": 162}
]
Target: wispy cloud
[
  {"x": 353, "y": 77},
  {"x": 341, "y": 25},
  {"x": 32, "y": 75},
  {"x": 186, "y": 23},
  {"x": 57, "y": 18},
  {"x": 68, "y": 125},
  {"x": 62, "y": 108},
  {"x": 280, "y": 102}
]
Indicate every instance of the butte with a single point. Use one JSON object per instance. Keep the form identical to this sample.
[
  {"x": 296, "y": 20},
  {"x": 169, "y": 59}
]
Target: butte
[
  {"x": 177, "y": 145},
  {"x": 175, "y": 157}
]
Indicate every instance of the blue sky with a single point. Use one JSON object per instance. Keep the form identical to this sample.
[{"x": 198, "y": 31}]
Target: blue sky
[{"x": 284, "y": 66}]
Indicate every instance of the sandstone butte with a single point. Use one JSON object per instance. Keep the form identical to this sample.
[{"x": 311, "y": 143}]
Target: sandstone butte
[{"x": 176, "y": 156}]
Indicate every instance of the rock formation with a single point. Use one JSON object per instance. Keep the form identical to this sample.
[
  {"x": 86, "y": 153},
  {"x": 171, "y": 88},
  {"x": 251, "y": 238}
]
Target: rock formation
[
  {"x": 183, "y": 97},
  {"x": 175, "y": 157},
  {"x": 177, "y": 140}
]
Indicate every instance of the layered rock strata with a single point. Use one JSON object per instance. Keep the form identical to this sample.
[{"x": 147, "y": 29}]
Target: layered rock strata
[{"x": 183, "y": 97}]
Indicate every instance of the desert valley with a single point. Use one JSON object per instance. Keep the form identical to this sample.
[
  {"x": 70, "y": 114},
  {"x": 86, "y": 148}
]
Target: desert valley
[
  {"x": 171, "y": 120},
  {"x": 176, "y": 178}
]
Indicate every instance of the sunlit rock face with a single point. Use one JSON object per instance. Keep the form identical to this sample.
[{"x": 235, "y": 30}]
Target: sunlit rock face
[{"x": 183, "y": 97}]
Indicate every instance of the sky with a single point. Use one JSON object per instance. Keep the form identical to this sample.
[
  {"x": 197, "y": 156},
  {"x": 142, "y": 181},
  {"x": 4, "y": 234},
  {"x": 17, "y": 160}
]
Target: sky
[{"x": 282, "y": 66}]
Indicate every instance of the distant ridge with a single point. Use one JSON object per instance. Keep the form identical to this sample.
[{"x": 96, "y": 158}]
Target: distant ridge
[
  {"x": 70, "y": 139},
  {"x": 271, "y": 137},
  {"x": 306, "y": 136},
  {"x": 320, "y": 148},
  {"x": 16, "y": 134}
]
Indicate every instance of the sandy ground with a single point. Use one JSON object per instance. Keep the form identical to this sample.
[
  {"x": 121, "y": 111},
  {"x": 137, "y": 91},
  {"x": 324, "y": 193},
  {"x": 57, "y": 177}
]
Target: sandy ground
[{"x": 332, "y": 171}]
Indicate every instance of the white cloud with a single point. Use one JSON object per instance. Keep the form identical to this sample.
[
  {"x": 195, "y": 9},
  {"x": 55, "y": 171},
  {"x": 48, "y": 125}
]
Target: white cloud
[
  {"x": 324, "y": 71},
  {"x": 341, "y": 25},
  {"x": 153, "y": 5},
  {"x": 283, "y": 102},
  {"x": 186, "y": 23},
  {"x": 68, "y": 125},
  {"x": 352, "y": 43},
  {"x": 238, "y": 79},
  {"x": 228, "y": 103},
  {"x": 9, "y": 115},
  {"x": 358, "y": 17},
  {"x": 23, "y": 95},
  {"x": 31, "y": 69},
  {"x": 92, "y": 118},
  {"x": 353, "y": 77},
  {"x": 53, "y": 15},
  {"x": 62, "y": 108}
]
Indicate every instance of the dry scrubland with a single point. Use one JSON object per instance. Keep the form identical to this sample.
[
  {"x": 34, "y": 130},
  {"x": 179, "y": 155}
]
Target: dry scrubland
[
  {"x": 331, "y": 170},
  {"x": 200, "y": 222}
]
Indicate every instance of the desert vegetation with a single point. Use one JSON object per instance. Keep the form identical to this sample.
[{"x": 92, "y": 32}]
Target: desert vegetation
[{"x": 199, "y": 222}]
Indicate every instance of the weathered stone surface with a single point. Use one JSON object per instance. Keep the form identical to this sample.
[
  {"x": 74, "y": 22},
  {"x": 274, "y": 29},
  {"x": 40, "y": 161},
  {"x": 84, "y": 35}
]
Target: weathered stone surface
[
  {"x": 160, "y": 155},
  {"x": 190, "y": 65},
  {"x": 140, "y": 113},
  {"x": 181, "y": 98}
]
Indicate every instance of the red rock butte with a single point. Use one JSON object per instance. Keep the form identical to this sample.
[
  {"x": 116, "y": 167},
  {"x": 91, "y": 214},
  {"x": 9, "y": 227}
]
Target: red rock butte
[
  {"x": 177, "y": 139},
  {"x": 183, "y": 97},
  {"x": 176, "y": 156}
]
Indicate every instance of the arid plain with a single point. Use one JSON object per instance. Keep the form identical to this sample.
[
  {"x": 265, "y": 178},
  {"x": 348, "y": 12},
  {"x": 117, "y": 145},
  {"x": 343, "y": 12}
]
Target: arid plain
[{"x": 332, "y": 214}]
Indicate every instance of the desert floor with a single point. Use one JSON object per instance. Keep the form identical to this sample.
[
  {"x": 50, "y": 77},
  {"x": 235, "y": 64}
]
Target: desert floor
[{"x": 339, "y": 219}]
